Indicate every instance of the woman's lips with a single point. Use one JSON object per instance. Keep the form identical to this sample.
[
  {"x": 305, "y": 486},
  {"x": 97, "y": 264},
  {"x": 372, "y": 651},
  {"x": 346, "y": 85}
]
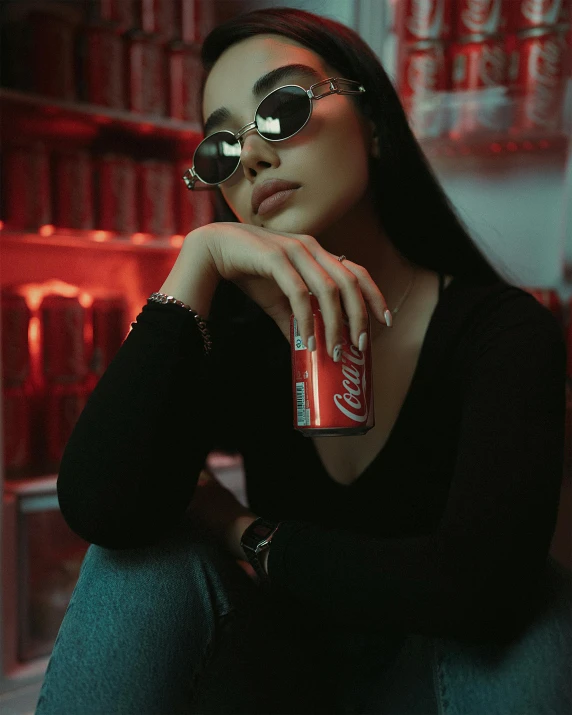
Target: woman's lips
[{"x": 274, "y": 201}]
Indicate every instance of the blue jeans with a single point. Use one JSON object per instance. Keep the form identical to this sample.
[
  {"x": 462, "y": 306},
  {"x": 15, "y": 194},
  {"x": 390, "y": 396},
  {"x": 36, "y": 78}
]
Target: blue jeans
[{"x": 180, "y": 628}]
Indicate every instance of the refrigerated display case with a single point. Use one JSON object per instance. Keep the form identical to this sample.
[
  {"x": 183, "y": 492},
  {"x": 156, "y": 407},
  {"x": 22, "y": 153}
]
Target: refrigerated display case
[{"x": 81, "y": 251}]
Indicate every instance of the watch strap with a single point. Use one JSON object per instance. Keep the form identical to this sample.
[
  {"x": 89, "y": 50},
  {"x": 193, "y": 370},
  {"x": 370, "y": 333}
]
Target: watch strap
[{"x": 256, "y": 539}]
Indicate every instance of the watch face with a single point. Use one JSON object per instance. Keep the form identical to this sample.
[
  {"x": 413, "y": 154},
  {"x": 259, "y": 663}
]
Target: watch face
[{"x": 261, "y": 530}]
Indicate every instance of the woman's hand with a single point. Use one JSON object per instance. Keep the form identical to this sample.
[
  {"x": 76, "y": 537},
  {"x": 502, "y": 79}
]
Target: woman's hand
[
  {"x": 277, "y": 270},
  {"x": 215, "y": 509}
]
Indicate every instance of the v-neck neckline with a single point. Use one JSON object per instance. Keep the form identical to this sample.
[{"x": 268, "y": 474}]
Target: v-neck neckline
[{"x": 419, "y": 368}]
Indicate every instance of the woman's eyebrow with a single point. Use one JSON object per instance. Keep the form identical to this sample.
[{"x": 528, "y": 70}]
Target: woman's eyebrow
[{"x": 262, "y": 86}]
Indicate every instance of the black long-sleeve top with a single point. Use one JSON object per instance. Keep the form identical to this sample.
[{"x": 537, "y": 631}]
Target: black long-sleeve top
[{"x": 445, "y": 533}]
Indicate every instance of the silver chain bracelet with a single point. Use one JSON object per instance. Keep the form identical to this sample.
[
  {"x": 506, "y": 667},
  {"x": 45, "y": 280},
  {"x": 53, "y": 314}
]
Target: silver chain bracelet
[{"x": 164, "y": 299}]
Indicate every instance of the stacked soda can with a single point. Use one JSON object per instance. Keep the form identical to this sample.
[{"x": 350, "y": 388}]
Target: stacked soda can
[
  {"x": 539, "y": 45},
  {"x": 483, "y": 52},
  {"x": 113, "y": 53},
  {"x": 16, "y": 382},
  {"x": 73, "y": 190}
]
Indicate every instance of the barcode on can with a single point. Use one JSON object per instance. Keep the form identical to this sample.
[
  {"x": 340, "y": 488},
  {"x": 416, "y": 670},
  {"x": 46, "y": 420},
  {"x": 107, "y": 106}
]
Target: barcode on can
[
  {"x": 298, "y": 344},
  {"x": 303, "y": 414}
]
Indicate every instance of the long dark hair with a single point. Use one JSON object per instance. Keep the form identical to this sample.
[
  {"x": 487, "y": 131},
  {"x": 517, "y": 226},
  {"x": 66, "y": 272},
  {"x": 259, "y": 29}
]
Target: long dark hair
[{"x": 431, "y": 235}]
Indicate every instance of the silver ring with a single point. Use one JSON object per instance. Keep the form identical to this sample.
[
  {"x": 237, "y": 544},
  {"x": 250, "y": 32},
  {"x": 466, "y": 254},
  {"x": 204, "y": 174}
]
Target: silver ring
[{"x": 341, "y": 258}]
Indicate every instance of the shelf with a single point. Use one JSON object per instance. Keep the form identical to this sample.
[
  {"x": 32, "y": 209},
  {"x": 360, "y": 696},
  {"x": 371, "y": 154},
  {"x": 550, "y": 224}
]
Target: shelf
[
  {"x": 489, "y": 122},
  {"x": 102, "y": 240},
  {"x": 95, "y": 117}
]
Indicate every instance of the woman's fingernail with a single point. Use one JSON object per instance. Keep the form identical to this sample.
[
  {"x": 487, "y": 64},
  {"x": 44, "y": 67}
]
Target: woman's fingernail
[
  {"x": 362, "y": 342},
  {"x": 388, "y": 318},
  {"x": 311, "y": 343},
  {"x": 337, "y": 353}
]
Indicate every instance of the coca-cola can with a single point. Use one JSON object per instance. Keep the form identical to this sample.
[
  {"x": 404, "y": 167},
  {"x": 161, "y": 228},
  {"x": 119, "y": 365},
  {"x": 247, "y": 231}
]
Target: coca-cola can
[
  {"x": 541, "y": 58},
  {"x": 15, "y": 343},
  {"x": 330, "y": 398},
  {"x": 116, "y": 190},
  {"x": 550, "y": 299},
  {"x": 63, "y": 404},
  {"x": 102, "y": 59},
  {"x": 17, "y": 429},
  {"x": 157, "y": 198},
  {"x": 120, "y": 14},
  {"x": 63, "y": 321},
  {"x": 109, "y": 331},
  {"x": 184, "y": 78},
  {"x": 147, "y": 75},
  {"x": 194, "y": 208},
  {"x": 27, "y": 186},
  {"x": 424, "y": 20},
  {"x": 196, "y": 18},
  {"x": 480, "y": 80},
  {"x": 158, "y": 17},
  {"x": 52, "y": 55},
  {"x": 528, "y": 14},
  {"x": 481, "y": 17},
  {"x": 73, "y": 175},
  {"x": 424, "y": 70}
]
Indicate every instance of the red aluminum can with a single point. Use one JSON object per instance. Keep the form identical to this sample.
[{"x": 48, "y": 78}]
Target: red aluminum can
[
  {"x": 64, "y": 404},
  {"x": 103, "y": 67},
  {"x": 109, "y": 331},
  {"x": 184, "y": 78},
  {"x": 157, "y": 198},
  {"x": 479, "y": 62},
  {"x": 27, "y": 187},
  {"x": 424, "y": 20},
  {"x": 549, "y": 299},
  {"x": 424, "y": 70},
  {"x": 330, "y": 398},
  {"x": 117, "y": 194},
  {"x": 147, "y": 75},
  {"x": 542, "y": 54},
  {"x": 196, "y": 19},
  {"x": 118, "y": 13},
  {"x": 527, "y": 14},
  {"x": 17, "y": 429},
  {"x": 158, "y": 17},
  {"x": 63, "y": 346},
  {"x": 73, "y": 179},
  {"x": 194, "y": 208},
  {"x": 52, "y": 55},
  {"x": 481, "y": 17},
  {"x": 15, "y": 344}
]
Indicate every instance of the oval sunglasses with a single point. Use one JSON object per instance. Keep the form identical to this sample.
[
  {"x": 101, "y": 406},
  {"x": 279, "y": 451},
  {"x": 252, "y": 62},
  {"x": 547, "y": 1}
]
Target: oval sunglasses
[{"x": 280, "y": 115}]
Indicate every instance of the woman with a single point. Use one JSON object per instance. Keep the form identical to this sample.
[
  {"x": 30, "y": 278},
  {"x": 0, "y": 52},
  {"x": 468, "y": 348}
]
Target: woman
[{"x": 431, "y": 531}]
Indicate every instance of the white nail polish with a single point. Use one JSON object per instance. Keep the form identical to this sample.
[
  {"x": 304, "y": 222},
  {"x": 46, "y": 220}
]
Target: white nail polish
[
  {"x": 362, "y": 342},
  {"x": 337, "y": 353},
  {"x": 311, "y": 343},
  {"x": 388, "y": 318}
]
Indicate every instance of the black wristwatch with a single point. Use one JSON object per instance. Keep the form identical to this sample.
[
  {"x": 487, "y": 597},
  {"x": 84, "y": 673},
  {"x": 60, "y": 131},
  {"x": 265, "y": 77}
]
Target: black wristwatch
[{"x": 255, "y": 540}]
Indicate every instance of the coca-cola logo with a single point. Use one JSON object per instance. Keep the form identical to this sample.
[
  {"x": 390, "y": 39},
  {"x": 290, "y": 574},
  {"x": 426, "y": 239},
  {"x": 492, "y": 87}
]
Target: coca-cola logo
[
  {"x": 425, "y": 18},
  {"x": 492, "y": 66},
  {"x": 536, "y": 11},
  {"x": 544, "y": 65},
  {"x": 481, "y": 15},
  {"x": 422, "y": 73},
  {"x": 352, "y": 403}
]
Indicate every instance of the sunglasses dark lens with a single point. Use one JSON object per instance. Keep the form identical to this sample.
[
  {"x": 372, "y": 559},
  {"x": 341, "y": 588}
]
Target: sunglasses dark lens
[
  {"x": 216, "y": 157},
  {"x": 283, "y": 113}
]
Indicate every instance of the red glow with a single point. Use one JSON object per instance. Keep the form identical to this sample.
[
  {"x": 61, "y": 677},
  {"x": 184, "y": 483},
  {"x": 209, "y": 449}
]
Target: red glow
[
  {"x": 139, "y": 238},
  {"x": 496, "y": 148},
  {"x": 1, "y": 225},
  {"x": 544, "y": 144},
  {"x": 101, "y": 236},
  {"x": 46, "y": 230},
  {"x": 528, "y": 145},
  {"x": 146, "y": 128},
  {"x": 512, "y": 146},
  {"x": 176, "y": 241}
]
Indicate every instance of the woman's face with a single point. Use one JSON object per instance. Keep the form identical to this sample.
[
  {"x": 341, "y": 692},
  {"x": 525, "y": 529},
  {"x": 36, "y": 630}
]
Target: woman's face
[{"x": 328, "y": 157}]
